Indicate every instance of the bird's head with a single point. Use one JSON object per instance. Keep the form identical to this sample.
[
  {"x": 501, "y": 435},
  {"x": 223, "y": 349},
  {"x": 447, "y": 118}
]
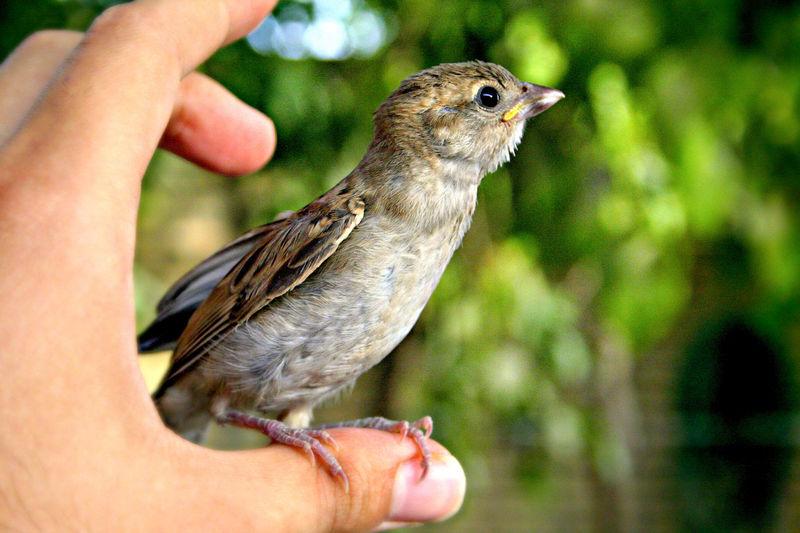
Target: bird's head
[{"x": 473, "y": 112}]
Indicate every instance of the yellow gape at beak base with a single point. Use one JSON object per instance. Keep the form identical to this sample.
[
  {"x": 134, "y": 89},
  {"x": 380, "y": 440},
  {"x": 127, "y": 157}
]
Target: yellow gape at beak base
[{"x": 513, "y": 112}]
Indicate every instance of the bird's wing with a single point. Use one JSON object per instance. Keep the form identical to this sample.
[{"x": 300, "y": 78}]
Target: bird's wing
[
  {"x": 285, "y": 255},
  {"x": 186, "y": 294}
]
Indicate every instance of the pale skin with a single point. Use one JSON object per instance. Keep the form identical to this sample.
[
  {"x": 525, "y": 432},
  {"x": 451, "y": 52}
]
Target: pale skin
[{"x": 82, "y": 446}]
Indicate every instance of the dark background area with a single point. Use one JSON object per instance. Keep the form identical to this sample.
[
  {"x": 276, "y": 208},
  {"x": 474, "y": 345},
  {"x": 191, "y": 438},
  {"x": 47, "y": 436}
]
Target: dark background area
[{"x": 615, "y": 346}]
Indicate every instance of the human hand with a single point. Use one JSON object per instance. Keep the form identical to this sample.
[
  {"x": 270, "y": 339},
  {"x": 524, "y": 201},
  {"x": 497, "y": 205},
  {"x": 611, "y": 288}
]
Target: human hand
[{"x": 82, "y": 445}]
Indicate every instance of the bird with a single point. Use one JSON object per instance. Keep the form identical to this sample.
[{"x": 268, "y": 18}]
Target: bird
[{"x": 292, "y": 312}]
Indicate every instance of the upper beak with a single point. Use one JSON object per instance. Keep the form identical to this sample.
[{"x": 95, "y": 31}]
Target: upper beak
[{"x": 535, "y": 99}]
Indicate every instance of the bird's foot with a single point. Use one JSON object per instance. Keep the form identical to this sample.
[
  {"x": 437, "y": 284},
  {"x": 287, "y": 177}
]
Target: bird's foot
[
  {"x": 419, "y": 432},
  {"x": 311, "y": 441}
]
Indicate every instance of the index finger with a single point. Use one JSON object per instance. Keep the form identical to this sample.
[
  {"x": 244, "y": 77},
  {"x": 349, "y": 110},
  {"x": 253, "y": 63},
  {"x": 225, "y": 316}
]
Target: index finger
[{"x": 114, "y": 98}]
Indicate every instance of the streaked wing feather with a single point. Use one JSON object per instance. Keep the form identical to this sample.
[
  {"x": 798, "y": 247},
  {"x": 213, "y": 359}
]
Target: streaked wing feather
[
  {"x": 282, "y": 259},
  {"x": 186, "y": 294},
  {"x": 208, "y": 272}
]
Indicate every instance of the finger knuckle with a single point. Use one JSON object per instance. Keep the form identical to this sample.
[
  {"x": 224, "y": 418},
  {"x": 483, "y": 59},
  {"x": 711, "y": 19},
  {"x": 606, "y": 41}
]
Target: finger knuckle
[
  {"x": 327, "y": 508},
  {"x": 144, "y": 27},
  {"x": 47, "y": 39},
  {"x": 353, "y": 510},
  {"x": 132, "y": 26},
  {"x": 121, "y": 20}
]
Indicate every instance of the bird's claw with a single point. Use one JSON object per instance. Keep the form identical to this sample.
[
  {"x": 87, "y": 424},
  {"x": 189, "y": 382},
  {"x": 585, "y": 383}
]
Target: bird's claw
[
  {"x": 323, "y": 436},
  {"x": 401, "y": 428},
  {"x": 311, "y": 441},
  {"x": 419, "y": 431},
  {"x": 425, "y": 423}
]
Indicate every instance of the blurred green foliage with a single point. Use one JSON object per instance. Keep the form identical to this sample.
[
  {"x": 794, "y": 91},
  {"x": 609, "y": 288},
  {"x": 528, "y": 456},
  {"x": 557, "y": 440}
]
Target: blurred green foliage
[{"x": 661, "y": 194}]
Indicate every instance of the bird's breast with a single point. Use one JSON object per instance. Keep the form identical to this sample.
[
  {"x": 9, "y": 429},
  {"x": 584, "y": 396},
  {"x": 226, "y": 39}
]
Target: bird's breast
[{"x": 393, "y": 271}]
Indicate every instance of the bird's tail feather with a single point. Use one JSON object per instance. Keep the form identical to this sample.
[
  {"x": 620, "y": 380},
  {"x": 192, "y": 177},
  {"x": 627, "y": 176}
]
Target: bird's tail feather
[{"x": 184, "y": 413}]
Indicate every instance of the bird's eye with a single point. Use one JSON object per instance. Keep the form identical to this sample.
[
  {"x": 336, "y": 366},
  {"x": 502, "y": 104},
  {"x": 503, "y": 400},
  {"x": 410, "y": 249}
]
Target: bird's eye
[{"x": 488, "y": 96}]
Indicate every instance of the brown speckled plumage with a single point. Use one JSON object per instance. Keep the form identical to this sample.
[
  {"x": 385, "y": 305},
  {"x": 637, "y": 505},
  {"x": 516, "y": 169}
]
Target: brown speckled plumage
[{"x": 294, "y": 311}]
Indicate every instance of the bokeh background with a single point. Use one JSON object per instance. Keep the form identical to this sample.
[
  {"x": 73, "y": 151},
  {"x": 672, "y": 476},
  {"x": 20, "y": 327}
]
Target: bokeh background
[{"x": 616, "y": 345}]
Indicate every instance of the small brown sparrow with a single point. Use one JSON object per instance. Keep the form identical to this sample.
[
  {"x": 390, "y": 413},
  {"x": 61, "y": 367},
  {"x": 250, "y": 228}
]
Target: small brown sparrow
[{"x": 294, "y": 311}]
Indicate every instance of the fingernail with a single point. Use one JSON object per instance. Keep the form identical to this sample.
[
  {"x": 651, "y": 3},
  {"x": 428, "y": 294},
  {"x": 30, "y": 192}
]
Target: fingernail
[
  {"x": 432, "y": 499},
  {"x": 387, "y": 526}
]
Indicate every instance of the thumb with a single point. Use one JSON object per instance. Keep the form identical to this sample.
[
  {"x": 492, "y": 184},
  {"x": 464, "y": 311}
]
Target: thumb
[
  {"x": 386, "y": 484},
  {"x": 386, "y": 489}
]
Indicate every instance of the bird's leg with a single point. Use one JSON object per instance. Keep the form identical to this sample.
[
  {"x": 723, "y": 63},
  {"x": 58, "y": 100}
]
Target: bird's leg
[
  {"x": 298, "y": 416},
  {"x": 419, "y": 432},
  {"x": 309, "y": 440}
]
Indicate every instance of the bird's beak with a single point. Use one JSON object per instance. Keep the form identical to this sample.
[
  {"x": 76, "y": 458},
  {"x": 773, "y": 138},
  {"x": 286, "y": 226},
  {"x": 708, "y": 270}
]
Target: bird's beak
[{"x": 535, "y": 99}]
